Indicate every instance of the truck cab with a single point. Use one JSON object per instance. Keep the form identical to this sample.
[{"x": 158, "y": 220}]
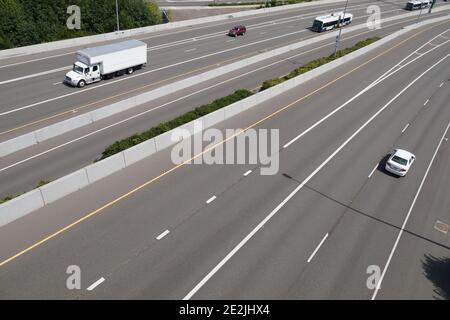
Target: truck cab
[{"x": 83, "y": 74}]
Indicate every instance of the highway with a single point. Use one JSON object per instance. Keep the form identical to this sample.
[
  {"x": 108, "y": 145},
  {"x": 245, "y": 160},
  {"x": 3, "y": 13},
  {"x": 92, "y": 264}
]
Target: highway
[
  {"x": 72, "y": 151},
  {"x": 32, "y": 94},
  {"x": 196, "y": 3},
  {"x": 311, "y": 231}
]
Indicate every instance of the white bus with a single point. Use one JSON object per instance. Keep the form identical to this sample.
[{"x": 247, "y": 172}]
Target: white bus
[
  {"x": 331, "y": 21},
  {"x": 417, "y": 4}
]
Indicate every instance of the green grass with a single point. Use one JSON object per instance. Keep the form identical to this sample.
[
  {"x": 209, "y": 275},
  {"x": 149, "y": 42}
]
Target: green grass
[
  {"x": 198, "y": 112},
  {"x": 9, "y": 197},
  {"x": 317, "y": 63}
]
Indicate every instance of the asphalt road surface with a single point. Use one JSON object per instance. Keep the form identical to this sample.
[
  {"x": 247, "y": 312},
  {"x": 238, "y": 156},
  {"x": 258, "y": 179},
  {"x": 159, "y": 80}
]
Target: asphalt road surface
[
  {"x": 312, "y": 230},
  {"x": 62, "y": 155},
  {"x": 32, "y": 94}
]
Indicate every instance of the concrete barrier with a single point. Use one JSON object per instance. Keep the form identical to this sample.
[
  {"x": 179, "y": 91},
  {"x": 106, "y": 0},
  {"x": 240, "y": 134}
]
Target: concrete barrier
[
  {"x": 146, "y": 97},
  {"x": 18, "y": 143},
  {"x": 68, "y": 43},
  {"x": 139, "y": 152},
  {"x": 213, "y": 118},
  {"x": 33, "y": 200},
  {"x": 164, "y": 140},
  {"x": 105, "y": 167},
  {"x": 20, "y": 206},
  {"x": 113, "y": 109},
  {"x": 63, "y": 127},
  {"x": 64, "y": 186},
  {"x": 235, "y": 108}
]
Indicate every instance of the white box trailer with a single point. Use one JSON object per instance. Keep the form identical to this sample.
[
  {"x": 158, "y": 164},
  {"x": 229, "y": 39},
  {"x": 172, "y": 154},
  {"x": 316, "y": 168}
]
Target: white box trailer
[{"x": 94, "y": 64}]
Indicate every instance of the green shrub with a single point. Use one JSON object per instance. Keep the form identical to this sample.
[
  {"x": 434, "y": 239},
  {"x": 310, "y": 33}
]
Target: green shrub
[
  {"x": 26, "y": 22},
  {"x": 198, "y": 112},
  {"x": 317, "y": 63},
  {"x": 9, "y": 197},
  {"x": 5, "y": 199}
]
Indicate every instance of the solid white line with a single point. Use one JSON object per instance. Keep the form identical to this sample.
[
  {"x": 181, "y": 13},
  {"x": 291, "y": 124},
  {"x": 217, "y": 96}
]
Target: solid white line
[
  {"x": 211, "y": 199},
  {"x": 415, "y": 52},
  {"x": 294, "y": 192},
  {"x": 36, "y": 75},
  {"x": 426, "y": 102},
  {"x": 317, "y": 249},
  {"x": 138, "y": 115},
  {"x": 34, "y": 60},
  {"x": 255, "y": 26},
  {"x": 247, "y": 173},
  {"x": 407, "y": 216},
  {"x": 95, "y": 284},
  {"x": 162, "y": 235},
  {"x": 264, "y": 32},
  {"x": 214, "y": 35},
  {"x": 190, "y": 50},
  {"x": 406, "y": 127},
  {"x": 441, "y": 85},
  {"x": 163, "y": 105},
  {"x": 144, "y": 73},
  {"x": 383, "y": 77},
  {"x": 373, "y": 170}
]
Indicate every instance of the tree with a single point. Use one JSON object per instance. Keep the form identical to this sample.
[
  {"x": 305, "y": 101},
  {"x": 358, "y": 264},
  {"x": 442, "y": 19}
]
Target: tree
[{"x": 25, "y": 22}]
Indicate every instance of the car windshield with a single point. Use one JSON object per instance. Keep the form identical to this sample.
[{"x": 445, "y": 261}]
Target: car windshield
[
  {"x": 399, "y": 160},
  {"x": 77, "y": 69}
]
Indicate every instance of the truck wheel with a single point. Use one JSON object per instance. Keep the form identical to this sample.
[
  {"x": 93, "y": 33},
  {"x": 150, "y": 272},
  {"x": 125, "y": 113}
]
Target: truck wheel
[
  {"x": 81, "y": 84},
  {"x": 130, "y": 70}
]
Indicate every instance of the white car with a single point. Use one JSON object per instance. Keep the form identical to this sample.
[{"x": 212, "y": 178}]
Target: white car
[{"x": 399, "y": 162}]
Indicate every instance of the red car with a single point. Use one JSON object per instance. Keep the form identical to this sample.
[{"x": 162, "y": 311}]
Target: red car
[{"x": 237, "y": 31}]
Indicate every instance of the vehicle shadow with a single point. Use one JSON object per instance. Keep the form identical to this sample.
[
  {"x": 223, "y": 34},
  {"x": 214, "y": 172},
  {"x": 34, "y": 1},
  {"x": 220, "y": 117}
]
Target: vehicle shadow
[{"x": 437, "y": 270}]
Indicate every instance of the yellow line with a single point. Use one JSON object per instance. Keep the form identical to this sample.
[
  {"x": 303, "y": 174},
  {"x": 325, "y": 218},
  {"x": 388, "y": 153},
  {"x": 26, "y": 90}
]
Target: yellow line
[
  {"x": 111, "y": 203},
  {"x": 123, "y": 93}
]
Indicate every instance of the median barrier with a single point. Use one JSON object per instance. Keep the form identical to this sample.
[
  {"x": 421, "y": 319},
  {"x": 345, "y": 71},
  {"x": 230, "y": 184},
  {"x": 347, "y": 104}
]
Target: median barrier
[
  {"x": 20, "y": 206},
  {"x": 105, "y": 167},
  {"x": 139, "y": 152},
  {"x": 15, "y": 144},
  {"x": 112, "y": 109},
  {"x": 64, "y": 186},
  {"x": 33, "y": 200},
  {"x": 154, "y": 94},
  {"x": 213, "y": 118},
  {"x": 62, "y": 127}
]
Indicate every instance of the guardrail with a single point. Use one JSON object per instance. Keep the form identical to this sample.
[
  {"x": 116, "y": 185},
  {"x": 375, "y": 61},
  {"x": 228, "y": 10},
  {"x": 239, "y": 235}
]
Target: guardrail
[{"x": 38, "y": 198}]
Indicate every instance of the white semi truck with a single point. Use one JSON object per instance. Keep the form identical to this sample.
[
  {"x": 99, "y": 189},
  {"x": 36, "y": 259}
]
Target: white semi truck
[{"x": 95, "y": 64}]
